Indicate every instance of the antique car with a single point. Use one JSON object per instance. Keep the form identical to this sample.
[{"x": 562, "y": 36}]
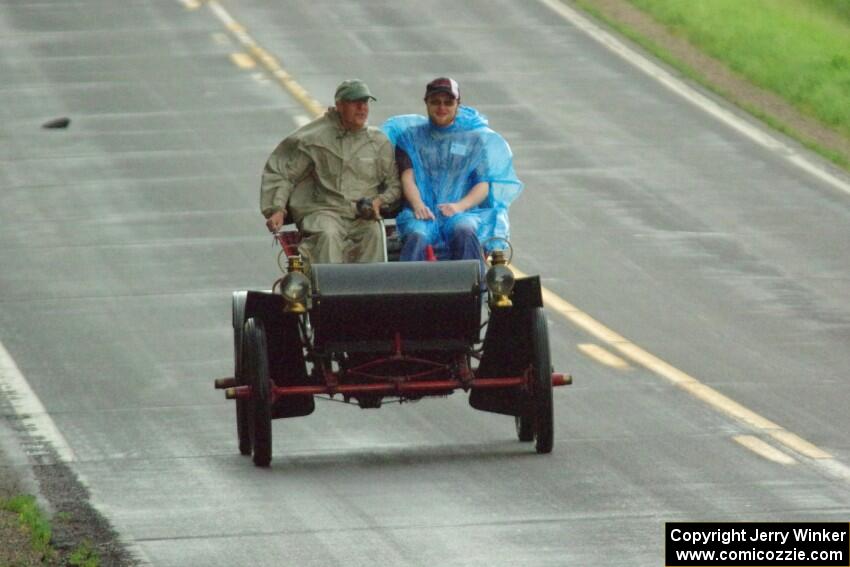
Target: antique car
[{"x": 394, "y": 331}]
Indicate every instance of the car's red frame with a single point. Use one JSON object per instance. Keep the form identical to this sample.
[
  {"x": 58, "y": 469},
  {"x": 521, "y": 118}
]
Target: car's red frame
[{"x": 513, "y": 375}]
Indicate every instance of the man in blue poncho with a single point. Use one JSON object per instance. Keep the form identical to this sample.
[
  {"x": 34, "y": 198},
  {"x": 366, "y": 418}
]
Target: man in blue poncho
[{"x": 457, "y": 176}]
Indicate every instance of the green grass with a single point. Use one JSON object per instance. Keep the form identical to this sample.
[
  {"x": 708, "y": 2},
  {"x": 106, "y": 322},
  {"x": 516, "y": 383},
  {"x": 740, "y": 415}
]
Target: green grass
[
  {"x": 38, "y": 525},
  {"x": 840, "y": 8},
  {"x": 84, "y": 556},
  {"x": 31, "y": 517},
  {"x": 799, "y": 49}
]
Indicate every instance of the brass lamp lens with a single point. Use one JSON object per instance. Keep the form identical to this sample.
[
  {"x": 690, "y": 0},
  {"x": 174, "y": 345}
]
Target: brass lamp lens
[
  {"x": 500, "y": 280},
  {"x": 295, "y": 287}
]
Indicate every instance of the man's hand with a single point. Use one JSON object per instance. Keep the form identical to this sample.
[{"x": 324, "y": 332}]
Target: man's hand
[
  {"x": 274, "y": 222},
  {"x": 422, "y": 212},
  {"x": 450, "y": 209},
  {"x": 368, "y": 209},
  {"x": 377, "y": 203}
]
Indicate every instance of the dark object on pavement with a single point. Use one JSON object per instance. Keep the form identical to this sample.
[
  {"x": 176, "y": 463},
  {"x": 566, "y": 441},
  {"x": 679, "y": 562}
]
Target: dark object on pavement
[{"x": 57, "y": 123}]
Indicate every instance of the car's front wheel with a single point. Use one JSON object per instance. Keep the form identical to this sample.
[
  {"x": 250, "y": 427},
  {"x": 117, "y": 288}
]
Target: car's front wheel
[
  {"x": 256, "y": 369},
  {"x": 541, "y": 386}
]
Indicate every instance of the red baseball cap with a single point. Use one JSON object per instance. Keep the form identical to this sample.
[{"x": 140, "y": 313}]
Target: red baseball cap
[{"x": 443, "y": 85}]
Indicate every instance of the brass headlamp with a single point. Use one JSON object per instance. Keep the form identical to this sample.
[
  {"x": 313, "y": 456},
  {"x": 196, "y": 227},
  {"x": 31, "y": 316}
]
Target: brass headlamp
[
  {"x": 500, "y": 280},
  {"x": 295, "y": 286}
]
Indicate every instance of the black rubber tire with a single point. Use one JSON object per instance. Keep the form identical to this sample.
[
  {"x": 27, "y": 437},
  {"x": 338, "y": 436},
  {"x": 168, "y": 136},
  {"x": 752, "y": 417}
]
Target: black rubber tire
[
  {"x": 255, "y": 364},
  {"x": 525, "y": 428},
  {"x": 544, "y": 422},
  {"x": 243, "y": 433}
]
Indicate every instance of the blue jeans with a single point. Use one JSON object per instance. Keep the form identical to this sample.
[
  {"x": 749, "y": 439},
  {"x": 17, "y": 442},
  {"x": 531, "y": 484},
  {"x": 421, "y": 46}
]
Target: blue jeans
[{"x": 462, "y": 245}]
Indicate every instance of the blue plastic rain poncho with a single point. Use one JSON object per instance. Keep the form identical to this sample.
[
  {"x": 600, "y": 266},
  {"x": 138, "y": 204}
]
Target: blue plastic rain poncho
[{"x": 447, "y": 163}]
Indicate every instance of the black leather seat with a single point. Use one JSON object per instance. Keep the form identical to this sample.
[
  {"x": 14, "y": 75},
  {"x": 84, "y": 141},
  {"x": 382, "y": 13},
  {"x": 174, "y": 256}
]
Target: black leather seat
[{"x": 428, "y": 305}]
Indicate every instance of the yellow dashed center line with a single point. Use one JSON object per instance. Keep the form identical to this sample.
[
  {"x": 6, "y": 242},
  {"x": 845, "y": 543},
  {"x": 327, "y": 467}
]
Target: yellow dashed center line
[
  {"x": 764, "y": 450},
  {"x": 603, "y": 356},
  {"x": 686, "y": 382},
  {"x": 582, "y": 320},
  {"x": 268, "y": 61},
  {"x": 243, "y": 60}
]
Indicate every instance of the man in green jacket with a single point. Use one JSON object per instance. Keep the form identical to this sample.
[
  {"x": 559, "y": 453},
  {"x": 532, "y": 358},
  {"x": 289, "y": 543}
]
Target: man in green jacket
[{"x": 319, "y": 174}]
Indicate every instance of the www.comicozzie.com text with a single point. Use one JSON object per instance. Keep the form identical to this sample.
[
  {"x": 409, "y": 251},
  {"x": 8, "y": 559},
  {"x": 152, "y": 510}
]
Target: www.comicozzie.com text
[{"x": 744, "y": 534}]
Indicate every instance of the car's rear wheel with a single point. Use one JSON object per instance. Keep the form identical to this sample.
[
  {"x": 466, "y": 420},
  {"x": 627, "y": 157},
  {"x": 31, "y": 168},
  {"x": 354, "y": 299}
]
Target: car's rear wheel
[
  {"x": 256, "y": 370},
  {"x": 525, "y": 427},
  {"x": 544, "y": 427},
  {"x": 243, "y": 433}
]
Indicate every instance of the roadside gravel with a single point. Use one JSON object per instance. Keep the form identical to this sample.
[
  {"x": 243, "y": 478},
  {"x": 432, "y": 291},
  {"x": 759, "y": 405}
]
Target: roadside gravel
[
  {"x": 61, "y": 496},
  {"x": 15, "y": 479}
]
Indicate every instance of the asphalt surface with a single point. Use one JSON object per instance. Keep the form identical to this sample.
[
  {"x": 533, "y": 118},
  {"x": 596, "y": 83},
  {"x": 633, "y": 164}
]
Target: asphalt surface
[{"x": 123, "y": 235}]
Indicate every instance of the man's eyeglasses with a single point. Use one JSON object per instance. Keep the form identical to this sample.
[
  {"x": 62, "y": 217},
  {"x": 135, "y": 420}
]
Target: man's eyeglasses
[{"x": 441, "y": 102}]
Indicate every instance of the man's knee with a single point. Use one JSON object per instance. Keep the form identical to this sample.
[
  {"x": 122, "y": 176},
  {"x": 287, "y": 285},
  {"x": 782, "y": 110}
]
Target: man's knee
[
  {"x": 322, "y": 238},
  {"x": 415, "y": 238},
  {"x": 464, "y": 243},
  {"x": 330, "y": 232},
  {"x": 463, "y": 235},
  {"x": 323, "y": 225},
  {"x": 365, "y": 242},
  {"x": 415, "y": 242},
  {"x": 413, "y": 247},
  {"x": 371, "y": 232}
]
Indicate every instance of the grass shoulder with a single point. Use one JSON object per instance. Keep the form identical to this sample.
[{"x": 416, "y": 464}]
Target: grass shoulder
[
  {"x": 26, "y": 536},
  {"x": 787, "y": 62}
]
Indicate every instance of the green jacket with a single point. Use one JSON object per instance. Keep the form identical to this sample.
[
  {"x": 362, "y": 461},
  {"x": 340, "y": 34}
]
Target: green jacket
[{"x": 323, "y": 167}]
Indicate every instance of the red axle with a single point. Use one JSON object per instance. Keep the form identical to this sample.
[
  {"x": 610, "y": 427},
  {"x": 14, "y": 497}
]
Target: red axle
[
  {"x": 245, "y": 392},
  {"x": 397, "y": 388}
]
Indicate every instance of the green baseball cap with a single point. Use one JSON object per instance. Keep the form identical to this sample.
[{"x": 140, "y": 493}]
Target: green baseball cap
[{"x": 352, "y": 89}]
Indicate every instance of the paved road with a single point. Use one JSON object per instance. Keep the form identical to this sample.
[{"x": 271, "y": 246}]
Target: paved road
[{"x": 122, "y": 237}]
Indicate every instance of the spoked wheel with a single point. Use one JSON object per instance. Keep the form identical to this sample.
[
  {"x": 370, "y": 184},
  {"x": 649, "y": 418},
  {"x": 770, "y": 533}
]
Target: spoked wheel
[
  {"x": 242, "y": 411},
  {"x": 255, "y": 365},
  {"x": 525, "y": 427},
  {"x": 541, "y": 385}
]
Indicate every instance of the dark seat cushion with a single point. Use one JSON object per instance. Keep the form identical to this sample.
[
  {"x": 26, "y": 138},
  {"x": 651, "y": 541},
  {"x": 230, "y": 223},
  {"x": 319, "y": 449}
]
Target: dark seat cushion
[{"x": 429, "y": 305}]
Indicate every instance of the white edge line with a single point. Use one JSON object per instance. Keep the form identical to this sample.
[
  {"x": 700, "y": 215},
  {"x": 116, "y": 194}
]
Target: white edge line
[
  {"x": 764, "y": 450},
  {"x": 706, "y": 104},
  {"x": 29, "y": 408}
]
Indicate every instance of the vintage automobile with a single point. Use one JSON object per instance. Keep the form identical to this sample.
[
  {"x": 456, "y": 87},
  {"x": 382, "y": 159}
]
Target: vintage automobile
[{"x": 398, "y": 331}]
